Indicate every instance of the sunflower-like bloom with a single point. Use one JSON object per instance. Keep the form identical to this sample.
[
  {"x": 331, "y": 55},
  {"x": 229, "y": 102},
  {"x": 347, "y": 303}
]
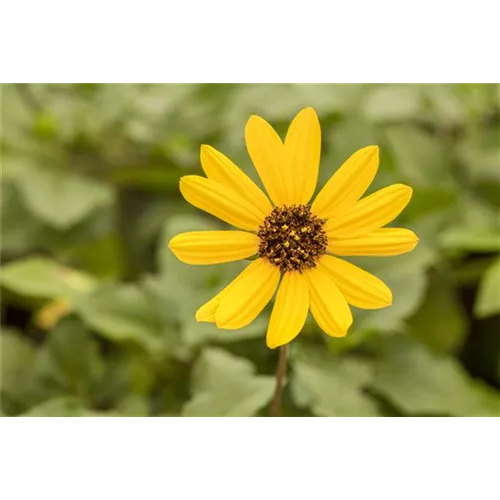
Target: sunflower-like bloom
[{"x": 297, "y": 245}]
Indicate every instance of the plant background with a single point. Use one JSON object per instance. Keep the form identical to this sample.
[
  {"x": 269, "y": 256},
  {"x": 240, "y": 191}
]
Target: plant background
[{"x": 98, "y": 316}]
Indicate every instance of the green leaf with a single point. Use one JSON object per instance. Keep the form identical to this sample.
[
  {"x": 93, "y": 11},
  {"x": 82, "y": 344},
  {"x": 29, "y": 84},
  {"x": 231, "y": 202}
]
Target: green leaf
[
  {"x": 406, "y": 277},
  {"x": 20, "y": 229},
  {"x": 177, "y": 303},
  {"x": 189, "y": 287},
  {"x": 473, "y": 228},
  {"x": 164, "y": 299},
  {"x": 70, "y": 358},
  {"x": 44, "y": 278},
  {"x": 419, "y": 382},
  {"x": 64, "y": 243},
  {"x": 431, "y": 200},
  {"x": 102, "y": 257},
  {"x": 224, "y": 385},
  {"x": 490, "y": 191},
  {"x": 478, "y": 214},
  {"x": 133, "y": 406},
  {"x": 419, "y": 156},
  {"x": 441, "y": 321},
  {"x": 331, "y": 386},
  {"x": 469, "y": 273},
  {"x": 259, "y": 98},
  {"x": 16, "y": 118},
  {"x": 488, "y": 298},
  {"x": 446, "y": 103},
  {"x": 151, "y": 178},
  {"x": 167, "y": 262},
  {"x": 332, "y": 98},
  {"x": 46, "y": 126},
  {"x": 195, "y": 333},
  {"x": 62, "y": 198},
  {"x": 18, "y": 358},
  {"x": 480, "y": 154},
  {"x": 478, "y": 98},
  {"x": 62, "y": 407},
  {"x": 353, "y": 134},
  {"x": 123, "y": 313},
  {"x": 393, "y": 103},
  {"x": 34, "y": 277},
  {"x": 470, "y": 240},
  {"x": 127, "y": 375},
  {"x": 165, "y": 303},
  {"x": 429, "y": 229}
]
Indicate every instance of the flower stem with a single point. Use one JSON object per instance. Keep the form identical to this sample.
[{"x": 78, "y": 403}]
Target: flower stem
[{"x": 280, "y": 374}]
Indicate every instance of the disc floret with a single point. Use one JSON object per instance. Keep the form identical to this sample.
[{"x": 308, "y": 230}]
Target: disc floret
[{"x": 292, "y": 238}]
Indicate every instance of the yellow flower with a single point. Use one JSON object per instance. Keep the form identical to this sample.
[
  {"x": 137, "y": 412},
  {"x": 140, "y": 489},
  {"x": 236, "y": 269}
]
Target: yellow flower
[{"x": 293, "y": 242}]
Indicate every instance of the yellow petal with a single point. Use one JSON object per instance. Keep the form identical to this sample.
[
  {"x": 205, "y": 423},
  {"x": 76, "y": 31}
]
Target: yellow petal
[
  {"x": 247, "y": 297},
  {"x": 267, "y": 153},
  {"x": 289, "y": 311},
  {"x": 360, "y": 288},
  {"x": 303, "y": 151},
  {"x": 383, "y": 242},
  {"x": 214, "y": 247},
  {"x": 207, "y": 311},
  {"x": 370, "y": 213},
  {"x": 220, "y": 201},
  {"x": 328, "y": 306},
  {"x": 221, "y": 169},
  {"x": 347, "y": 184}
]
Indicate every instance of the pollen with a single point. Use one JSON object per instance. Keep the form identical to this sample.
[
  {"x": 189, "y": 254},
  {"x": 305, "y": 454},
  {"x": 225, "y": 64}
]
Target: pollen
[{"x": 292, "y": 238}]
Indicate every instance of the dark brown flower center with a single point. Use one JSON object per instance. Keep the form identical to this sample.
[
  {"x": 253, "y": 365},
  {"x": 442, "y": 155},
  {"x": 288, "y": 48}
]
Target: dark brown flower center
[{"x": 292, "y": 238}]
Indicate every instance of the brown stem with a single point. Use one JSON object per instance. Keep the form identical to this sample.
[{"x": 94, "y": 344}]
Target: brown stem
[{"x": 280, "y": 374}]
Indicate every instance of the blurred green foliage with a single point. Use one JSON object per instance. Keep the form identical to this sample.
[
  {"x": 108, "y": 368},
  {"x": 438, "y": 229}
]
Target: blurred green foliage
[{"x": 98, "y": 316}]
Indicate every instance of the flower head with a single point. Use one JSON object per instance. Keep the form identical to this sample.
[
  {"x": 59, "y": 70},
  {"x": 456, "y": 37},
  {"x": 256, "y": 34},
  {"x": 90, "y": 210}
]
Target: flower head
[{"x": 298, "y": 246}]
